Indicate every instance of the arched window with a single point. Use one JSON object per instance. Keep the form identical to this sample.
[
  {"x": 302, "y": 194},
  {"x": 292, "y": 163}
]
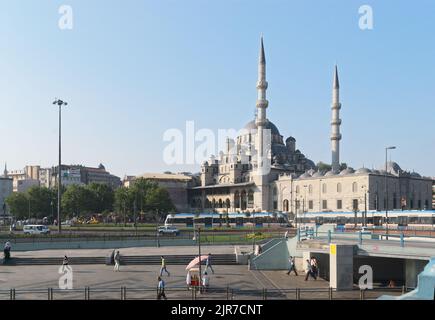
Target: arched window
[
  {"x": 250, "y": 199},
  {"x": 297, "y": 189},
  {"x": 354, "y": 187},
  {"x": 220, "y": 203},
  {"x": 338, "y": 187},
  {"x": 285, "y": 205},
  {"x": 237, "y": 200},
  {"x": 243, "y": 200},
  {"x": 324, "y": 188},
  {"x": 228, "y": 203},
  {"x": 310, "y": 189}
]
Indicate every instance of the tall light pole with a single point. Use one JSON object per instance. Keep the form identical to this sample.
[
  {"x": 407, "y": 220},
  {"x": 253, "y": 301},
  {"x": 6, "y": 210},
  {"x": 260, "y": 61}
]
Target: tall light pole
[
  {"x": 59, "y": 103},
  {"x": 386, "y": 187}
]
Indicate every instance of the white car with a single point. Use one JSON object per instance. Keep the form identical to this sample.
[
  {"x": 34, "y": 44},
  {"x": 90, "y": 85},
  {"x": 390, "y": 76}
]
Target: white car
[
  {"x": 36, "y": 229},
  {"x": 168, "y": 230}
]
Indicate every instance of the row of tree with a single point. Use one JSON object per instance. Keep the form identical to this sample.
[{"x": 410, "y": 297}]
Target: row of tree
[{"x": 82, "y": 200}]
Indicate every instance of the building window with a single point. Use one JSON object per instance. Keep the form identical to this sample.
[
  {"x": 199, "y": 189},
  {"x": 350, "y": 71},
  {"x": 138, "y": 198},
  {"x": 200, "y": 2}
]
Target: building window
[
  {"x": 310, "y": 204},
  {"x": 324, "y": 204},
  {"x": 297, "y": 189},
  {"x": 338, "y": 187},
  {"x": 310, "y": 189},
  {"x": 355, "y": 204},
  {"x": 339, "y": 204},
  {"x": 354, "y": 187},
  {"x": 324, "y": 188},
  {"x": 298, "y": 204},
  {"x": 285, "y": 205},
  {"x": 250, "y": 199}
]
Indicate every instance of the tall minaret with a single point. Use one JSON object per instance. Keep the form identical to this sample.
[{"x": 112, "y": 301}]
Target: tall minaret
[
  {"x": 335, "y": 122},
  {"x": 263, "y": 163},
  {"x": 5, "y": 172}
]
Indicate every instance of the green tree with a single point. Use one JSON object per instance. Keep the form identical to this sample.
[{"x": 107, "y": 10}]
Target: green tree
[
  {"x": 78, "y": 200},
  {"x": 103, "y": 196},
  {"x": 323, "y": 166},
  {"x": 158, "y": 200},
  {"x": 42, "y": 201},
  {"x": 18, "y": 205}
]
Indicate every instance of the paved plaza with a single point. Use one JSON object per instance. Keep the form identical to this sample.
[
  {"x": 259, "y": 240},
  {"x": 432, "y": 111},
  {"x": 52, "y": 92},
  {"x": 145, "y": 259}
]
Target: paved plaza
[{"x": 229, "y": 282}]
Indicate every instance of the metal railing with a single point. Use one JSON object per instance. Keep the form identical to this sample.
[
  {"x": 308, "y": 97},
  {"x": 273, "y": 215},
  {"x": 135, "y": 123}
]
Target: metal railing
[
  {"x": 196, "y": 293},
  {"x": 359, "y": 236}
]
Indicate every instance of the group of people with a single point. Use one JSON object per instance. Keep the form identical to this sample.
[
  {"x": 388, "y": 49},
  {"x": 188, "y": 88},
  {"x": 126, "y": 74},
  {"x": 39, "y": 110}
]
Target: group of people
[{"x": 311, "y": 268}]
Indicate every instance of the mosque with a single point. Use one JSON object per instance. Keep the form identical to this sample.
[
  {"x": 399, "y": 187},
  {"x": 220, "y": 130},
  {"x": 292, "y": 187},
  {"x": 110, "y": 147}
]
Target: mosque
[{"x": 259, "y": 172}]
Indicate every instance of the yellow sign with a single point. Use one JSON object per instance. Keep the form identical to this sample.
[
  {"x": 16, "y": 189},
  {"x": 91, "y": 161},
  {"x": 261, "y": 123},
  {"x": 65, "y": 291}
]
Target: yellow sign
[{"x": 333, "y": 249}]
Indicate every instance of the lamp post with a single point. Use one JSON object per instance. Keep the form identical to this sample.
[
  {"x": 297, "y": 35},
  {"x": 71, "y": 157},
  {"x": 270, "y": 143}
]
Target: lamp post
[
  {"x": 199, "y": 256},
  {"x": 386, "y": 187},
  {"x": 59, "y": 103}
]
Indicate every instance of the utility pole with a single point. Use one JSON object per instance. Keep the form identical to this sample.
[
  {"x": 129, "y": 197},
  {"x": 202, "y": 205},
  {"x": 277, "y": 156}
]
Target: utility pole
[
  {"x": 199, "y": 255},
  {"x": 386, "y": 187},
  {"x": 59, "y": 103}
]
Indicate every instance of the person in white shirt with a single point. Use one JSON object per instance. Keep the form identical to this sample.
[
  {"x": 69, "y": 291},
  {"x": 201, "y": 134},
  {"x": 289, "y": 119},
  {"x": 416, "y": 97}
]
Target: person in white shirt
[{"x": 205, "y": 281}]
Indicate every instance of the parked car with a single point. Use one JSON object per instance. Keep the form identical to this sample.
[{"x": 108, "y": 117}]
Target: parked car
[
  {"x": 36, "y": 229},
  {"x": 168, "y": 230}
]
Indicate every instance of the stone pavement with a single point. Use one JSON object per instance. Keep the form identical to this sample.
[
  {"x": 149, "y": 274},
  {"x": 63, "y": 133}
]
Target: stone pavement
[{"x": 232, "y": 282}]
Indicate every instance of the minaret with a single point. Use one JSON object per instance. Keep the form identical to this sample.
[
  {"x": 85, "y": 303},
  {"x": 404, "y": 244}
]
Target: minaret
[
  {"x": 335, "y": 122},
  {"x": 5, "y": 172},
  {"x": 263, "y": 163}
]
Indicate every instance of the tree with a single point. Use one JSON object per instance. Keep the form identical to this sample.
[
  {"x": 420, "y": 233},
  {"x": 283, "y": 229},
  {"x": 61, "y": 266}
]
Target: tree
[
  {"x": 41, "y": 201},
  {"x": 158, "y": 199},
  {"x": 78, "y": 200},
  {"x": 18, "y": 205},
  {"x": 323, "y": 166},
  {"x": 104, "y": 197}
]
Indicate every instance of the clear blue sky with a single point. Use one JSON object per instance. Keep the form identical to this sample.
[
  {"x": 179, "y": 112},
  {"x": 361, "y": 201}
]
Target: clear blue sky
[{"x": 132, "y": 69}]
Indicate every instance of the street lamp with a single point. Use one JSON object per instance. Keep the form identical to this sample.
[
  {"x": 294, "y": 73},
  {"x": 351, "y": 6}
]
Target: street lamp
[
  {"x": 386, "y": 187},
  {"x": 59, "y": 103}
]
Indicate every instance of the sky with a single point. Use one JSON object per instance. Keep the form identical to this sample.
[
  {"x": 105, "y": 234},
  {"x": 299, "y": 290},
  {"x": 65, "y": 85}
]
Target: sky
[{"x": 131, "y": 70}]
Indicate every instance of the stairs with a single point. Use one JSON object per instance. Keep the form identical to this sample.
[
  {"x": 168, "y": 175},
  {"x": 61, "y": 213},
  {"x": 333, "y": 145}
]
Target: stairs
[{"x": 217, "y": 259}]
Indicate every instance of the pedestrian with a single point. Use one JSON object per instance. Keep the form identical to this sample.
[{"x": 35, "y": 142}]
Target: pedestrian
[
  {"x": 188, "y": 280},
  {"x": 7, "y": 250},
  {"x": 286, "y": 234},
  {"x": 117, "y": 259},
  {"x": 161, "y": 289},
  {"x": 205, "y": 282},
  {"x": 163, "y": 268},
  {"x": 292, "y": 266},
  {"x": 309, "y": 270},
  {"x": 314, "y": 269},
  {"x": 208, "y": 264}
]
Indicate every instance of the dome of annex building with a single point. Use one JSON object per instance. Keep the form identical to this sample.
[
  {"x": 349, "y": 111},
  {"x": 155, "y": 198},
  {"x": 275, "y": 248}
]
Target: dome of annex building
[
  {"x": 317, "y": 174},
  {"x": 363, "y": 171},
  {"x": 348, "y": 170},
  {"x": 331, "y": 173},
  {"x": 305, "y": 175}
]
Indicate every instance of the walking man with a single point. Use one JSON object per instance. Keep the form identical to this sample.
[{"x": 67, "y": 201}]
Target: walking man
[
  {"x": 309, "y": 270},
  {"x": 161, "y": 289},
  {"x": 292, "y": 266},
  {"x": 117, "y": 259},
  {"x": 163, "y": 268},
  {"x": 208, "y": 264}
]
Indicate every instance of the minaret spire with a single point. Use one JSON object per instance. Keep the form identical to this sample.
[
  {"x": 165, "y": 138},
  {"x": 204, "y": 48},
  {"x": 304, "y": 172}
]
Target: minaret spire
[
  {"x": 262, "y": 103},
  {"x": 335, "y": 122}
]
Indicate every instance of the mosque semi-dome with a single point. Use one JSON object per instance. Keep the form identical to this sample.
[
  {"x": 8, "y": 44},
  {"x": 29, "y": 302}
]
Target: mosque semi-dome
[
  {"x": 347, "y": 171},
  {"x": 363, "y": 171}
]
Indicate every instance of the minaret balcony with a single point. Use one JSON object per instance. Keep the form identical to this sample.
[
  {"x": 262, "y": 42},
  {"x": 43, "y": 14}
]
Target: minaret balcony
[
  {"x": 336, "y": 122},
  {"x": 262, "y": 84},
  {"x": 336, "y": 136},
  {"x": 262, "y": 103}
]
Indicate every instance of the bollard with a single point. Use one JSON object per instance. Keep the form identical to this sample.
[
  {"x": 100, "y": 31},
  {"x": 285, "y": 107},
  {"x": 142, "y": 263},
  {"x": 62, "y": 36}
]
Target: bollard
[
  {"x": 403, "y": 289},
  {"x": 362, "y": 294},
  {"x": 330, "y": 293},
  {"x": 298, "y": 294},
  {"x": 228, "y": 293},
  {"x": 402, "y": 240},
  {"x": 329, "y": 236},
  {"x": 360, "y": 237},
  {"x": 50, "y": 293},
  {"x": 12, "y": 294}
]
